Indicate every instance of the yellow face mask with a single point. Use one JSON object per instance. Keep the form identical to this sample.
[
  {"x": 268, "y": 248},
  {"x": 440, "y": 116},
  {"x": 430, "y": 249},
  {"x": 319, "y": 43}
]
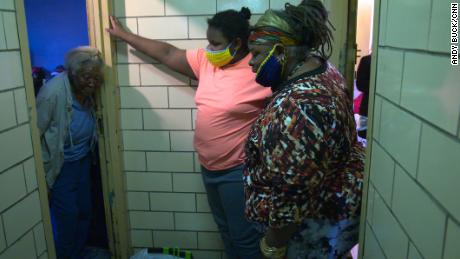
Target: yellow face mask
[{"x": 220, "y": 58}]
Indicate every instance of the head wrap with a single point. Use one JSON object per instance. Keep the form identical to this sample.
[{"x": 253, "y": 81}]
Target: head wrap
[{"x": 272, "y": 28}]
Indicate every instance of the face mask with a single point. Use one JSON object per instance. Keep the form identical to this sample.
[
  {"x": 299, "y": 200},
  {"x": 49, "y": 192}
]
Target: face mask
[
  {"x": 271, "y": 70},
  {"x": 220, "y": 58}
]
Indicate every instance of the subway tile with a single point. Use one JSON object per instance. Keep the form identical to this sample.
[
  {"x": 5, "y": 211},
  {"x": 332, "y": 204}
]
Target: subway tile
[
  {"x": 170, "y": 161},
  {"x": 163, "y": 119},
  {"x": 21, "y": 217},
  {"x": 202, "y": 254},
  {"x": 160, "y": 182},
  {"x": 19, "y": 144},
  {"x": 182, "y": 141},
  {"x": 40, "y": 241},
  {"x": 387, "y": 230},
  {"x": 197, "y": 163},
  {"x": 172, "y": 202},
  {"x": 12, "y": 183},
  {"x": 413, "y": 253},
  {"x": 139, "y": 8},
  {"x": 440, "y": 26},
  {"x": 134, "y": 161},
  {"x": 451, "y": 247},
  {"x": 439, "y": 167},
  {"x": 182, "y": 97},
  {"x": 160, "y": 27},
  {"x": 21, "y": 105},
  {"x": 256, "y": 6},
  {"x": 279, "y": 4},
  {"x": 184, "y": 240},
  {"x": 127, "y": 54},
  {"x": 188, "y": 44},
  {"x": 141, "y": 238},
  {"x": 194, "y": 113},
  {"x": 24, "y": 248},
  {"x": 389, "y": 74},
  {"x": 208, "y": 240},
  {"x": 138, "y": 200},
  {"x": 161, "y": 75},
  {"x": 399, "y": 135},
  {"x": 430, "y": 89},
  {"x": 130, "y": 24},
  {"x": 197, "y": 26},
  {"x": 7, "y": 4},
  {"x": 382, "y": 172},
  {"x": 190, "y": 7},
  {"x": 195, "y": 221},
  {"x": 376, "y": 118},
  {"x": 44, "y": 256},
  {"x": 188, "y": 183},
  {"x": 2, "y": 237},
  {"x": 372, "y": 249},
  {"x": 383, "y": 21},
  {"x": 11, "y": 30},
  {"x": 151, "y": 220},
  {"x": 128, "y": 75},
  {"x": 403, "y": 26},
  {"x": 8, "y": 118},
  {"x": 2, "y": 33},
  {"x": 144, "y": 97},
  {"x": 10, "y": 70},
  {"x": 131, "y": 119},
  {"x": 370, "y": 203},
  {"x": 146, "y": 140},
  {"x": 420, "y": 216},
  {"x": 202, "y": 204},
  {"x": 30, "y": 174}
]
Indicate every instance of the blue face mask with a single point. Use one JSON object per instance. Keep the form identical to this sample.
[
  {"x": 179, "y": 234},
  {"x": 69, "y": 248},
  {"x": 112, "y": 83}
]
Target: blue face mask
[{"x": 270, "y": 71}]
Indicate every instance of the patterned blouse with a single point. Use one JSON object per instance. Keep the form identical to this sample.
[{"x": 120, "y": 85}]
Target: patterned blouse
[{"x": 303, "y": 158}]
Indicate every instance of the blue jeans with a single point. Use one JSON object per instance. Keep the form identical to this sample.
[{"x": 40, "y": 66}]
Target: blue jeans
[
  {"x": 226, "y": 199},
  {"x": 70, "y": 206}
]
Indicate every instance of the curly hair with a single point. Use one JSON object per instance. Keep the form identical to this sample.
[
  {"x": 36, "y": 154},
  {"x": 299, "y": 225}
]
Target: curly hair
[{"x": 232, "y": 24}]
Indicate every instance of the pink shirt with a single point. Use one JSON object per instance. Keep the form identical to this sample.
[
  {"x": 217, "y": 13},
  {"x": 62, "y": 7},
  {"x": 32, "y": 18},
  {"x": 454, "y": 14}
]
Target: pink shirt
[{"x": 228, "y": 101}]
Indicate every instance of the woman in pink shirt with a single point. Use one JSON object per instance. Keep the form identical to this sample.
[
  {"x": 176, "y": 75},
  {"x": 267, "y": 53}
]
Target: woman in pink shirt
[{"x": 228, "y": 101}]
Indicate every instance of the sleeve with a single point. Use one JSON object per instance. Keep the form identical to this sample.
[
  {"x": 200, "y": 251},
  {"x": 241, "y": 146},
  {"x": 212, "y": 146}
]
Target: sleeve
[
  {"x": 195, "y": 60},
  {"x": 363, "y": 74},
  {"x": 294, "y": 148},
  {"x": 45, "y": 110}
]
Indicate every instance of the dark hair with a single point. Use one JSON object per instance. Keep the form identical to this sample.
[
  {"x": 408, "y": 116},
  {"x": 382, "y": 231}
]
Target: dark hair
[
  {"x": 232, "y": 24},
  {"x": 310, "y": 20}
]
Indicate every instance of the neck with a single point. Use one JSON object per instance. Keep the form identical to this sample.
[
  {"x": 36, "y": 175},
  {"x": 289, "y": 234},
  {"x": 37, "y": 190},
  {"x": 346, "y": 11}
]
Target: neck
[{"x": 239, "y": 55}]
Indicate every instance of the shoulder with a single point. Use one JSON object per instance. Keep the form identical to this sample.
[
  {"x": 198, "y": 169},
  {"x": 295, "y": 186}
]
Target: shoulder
[{"x": 54, "y": 88}]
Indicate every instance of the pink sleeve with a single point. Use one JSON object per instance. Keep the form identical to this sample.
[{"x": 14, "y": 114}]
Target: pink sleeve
[{"x": 195, "y": 59}]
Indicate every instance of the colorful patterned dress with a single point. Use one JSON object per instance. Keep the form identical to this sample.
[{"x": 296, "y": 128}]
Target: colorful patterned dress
[{"x": 304, "y": 165}]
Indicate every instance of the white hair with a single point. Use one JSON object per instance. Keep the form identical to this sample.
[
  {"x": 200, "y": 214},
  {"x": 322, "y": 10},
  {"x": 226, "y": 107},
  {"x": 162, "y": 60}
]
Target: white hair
[{"x": 80, "y": 57}]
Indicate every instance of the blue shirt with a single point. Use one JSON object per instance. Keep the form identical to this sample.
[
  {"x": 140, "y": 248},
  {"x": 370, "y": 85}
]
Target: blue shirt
[{"x": 82, "y": 132}]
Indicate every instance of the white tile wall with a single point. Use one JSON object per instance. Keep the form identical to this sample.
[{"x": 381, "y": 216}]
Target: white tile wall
[
  {"x": 209, "y": 240},
  {"x": 439, "y": 27},
  {"x": 163, "y": 119},
  {"x": 202, "y": 204},
  {"x": 131, "y": 119},
  {"x": 188, "y": 183},
  {"x": 413, "y": 253},
  {"x": 141, "y": 238},
  {"x": 30, "y": 174},
  {"x": 40, "y": 242},
  {"x": 382, "y": 172},
  {"x": 146, "y": 140},
  {"x": 172, "y": 202},
  {"x": 421, "y": 217},
  {"x": 151, "y": 220},
  {"x": 372, "y": 249},
  {"x": 452, "y": 248},
  {"x": 170, "y": 161},
  {"x": 144, "y": 97},
  {"x": 279, "y": 4},
  {"x": 23, "y": 248},
  {"x": 128, "y": 75},
  {"x": 10, "y": 70},
  {"x": 430, "y": 89},
  {"x": 399, "y": 135},
  {"x": 159, "y": 27},
  {"x": 20, "y": 100},
  {"x": 139, "y": 7},
  {"x": 390, "y": 63},
  {"x": 2, "y": 237},
  {"x": 439, "y": 153},
  {"x": 11, "y": 30},
  {"x": 7, "y": 4},
  {"x": 377, "y": 116},
  {"x": 182, "y": 141},
  {"x": 148, "y": 182},
  {"x": 138, "y": 200},
  {"x": 182, "y": 97},
  {"x": 127, "y": 54},
  {"x": 180, "y": 239},
  {"x": 195, "y": 221},
  {"x": 8, "y": 118},
  {"x": 2, "y": 33},
  {"x": 134, "y": 161},
  {"x": 190, "y": 7},
  {"x": 370, "y": 204},
  {"x": 256, "y": 6},
  {"x": 197, "y": 26},
  {"x": 161, "y": 75},
  {"x": 13, "y": 187}
]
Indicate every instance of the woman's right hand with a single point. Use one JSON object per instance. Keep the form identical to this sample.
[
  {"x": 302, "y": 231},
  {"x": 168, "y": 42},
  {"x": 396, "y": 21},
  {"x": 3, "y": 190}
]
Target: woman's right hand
[{"x": 116, "y": 29}]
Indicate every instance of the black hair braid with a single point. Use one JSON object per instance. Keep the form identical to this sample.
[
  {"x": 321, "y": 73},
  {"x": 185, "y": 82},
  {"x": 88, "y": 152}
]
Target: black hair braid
[
  {"x": 233, "y": 24},
  {"x": 310, "y": 19}
]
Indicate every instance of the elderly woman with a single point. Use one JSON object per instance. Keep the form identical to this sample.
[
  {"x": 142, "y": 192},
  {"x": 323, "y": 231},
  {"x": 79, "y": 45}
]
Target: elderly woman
[
  {"x": 304, "y": 166},
  {"x": 66, "y": 121}
]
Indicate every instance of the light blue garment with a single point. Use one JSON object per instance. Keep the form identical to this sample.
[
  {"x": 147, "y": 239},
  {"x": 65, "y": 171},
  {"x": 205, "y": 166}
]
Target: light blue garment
[{"x": 82, "y": 133}]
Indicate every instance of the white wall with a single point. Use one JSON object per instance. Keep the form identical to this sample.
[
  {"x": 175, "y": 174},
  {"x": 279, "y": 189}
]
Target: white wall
[
  {"x": 21, "y": 226},
  {"x": 413, "y": 205}
]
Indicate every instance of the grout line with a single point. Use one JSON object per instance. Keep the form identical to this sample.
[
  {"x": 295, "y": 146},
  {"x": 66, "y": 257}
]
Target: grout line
[
  {"x": 402, "y": 78},
  {"x": 418, "y": 51},
  {"x": 443, "y": 249},
  {"x": 419, "y": 151}
]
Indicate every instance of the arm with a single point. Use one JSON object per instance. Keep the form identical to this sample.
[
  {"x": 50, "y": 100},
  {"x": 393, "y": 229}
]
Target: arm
[{"x": 165, "y": 53}]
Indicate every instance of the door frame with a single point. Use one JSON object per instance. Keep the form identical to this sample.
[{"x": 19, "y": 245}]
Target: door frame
[{"x": 108, "y": 120}]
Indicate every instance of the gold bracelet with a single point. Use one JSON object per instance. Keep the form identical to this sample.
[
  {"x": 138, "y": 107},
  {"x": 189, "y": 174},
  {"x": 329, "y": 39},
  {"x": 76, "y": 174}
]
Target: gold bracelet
[{"x": 271, "y": 251}]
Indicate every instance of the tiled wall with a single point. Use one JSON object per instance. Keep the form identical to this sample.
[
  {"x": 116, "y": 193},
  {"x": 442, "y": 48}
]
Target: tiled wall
[
  {"x": 166, "y": 198},
  {"x": 413, "y": 202},
  {"x": 21, "y": 226}
]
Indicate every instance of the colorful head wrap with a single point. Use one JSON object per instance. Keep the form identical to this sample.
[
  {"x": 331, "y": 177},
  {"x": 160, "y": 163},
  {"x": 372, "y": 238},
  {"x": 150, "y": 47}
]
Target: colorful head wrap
[{"x": 271, "y": 28}]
